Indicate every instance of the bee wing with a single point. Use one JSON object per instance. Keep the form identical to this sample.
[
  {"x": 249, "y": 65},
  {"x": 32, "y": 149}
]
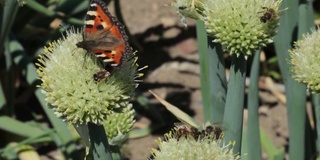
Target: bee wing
[{"x": 178, "y": 124}]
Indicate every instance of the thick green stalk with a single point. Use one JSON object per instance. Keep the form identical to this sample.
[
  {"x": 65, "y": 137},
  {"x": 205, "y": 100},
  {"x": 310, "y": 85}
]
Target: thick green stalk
[
  {"x": 233, "y": 115},
  {"x": 212, "y": 75},
  {"x": 9, "y": 14},
  {"x": 254, "y": 144},
  {"x": 304, "y": 25},
  {"x": 296, "y": 101},
  {"x": 9, "y": 89},
  {"x": 115, "y": 152},
  {"x": 316, "y": 105},
  {"x": 2, "y": 96},
  {"x": 285, "y": 36},
  {"x": 99, "y": 142},
  {"x": 9, "y": 10},
  {"x": 293, "y": 27}
]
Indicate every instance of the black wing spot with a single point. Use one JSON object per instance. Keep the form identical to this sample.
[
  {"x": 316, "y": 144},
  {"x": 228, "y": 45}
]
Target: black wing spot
[
  {"x": 89, "y": 26},
  {"x": 92, "y": 8},
  {"x": 90, "y": 17},
  {"x": 100, "y": 27}
]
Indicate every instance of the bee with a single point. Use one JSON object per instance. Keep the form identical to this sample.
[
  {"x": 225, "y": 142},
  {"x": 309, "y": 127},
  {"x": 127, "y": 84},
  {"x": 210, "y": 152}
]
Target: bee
[
  {"x": 101, "y": 75},
  {"x": 186, "y": 130},
  {"x": 268, "y": 15},
  {"x": 192, "y": 5},
  {"x": 214, "y": 130},
  {"x": 208, "y": 131},
  {"x": 182, "y": 7}
]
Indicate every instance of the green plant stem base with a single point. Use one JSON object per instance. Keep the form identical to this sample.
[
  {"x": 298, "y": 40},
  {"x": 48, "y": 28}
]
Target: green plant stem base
[{"x": 99, "y": 142}]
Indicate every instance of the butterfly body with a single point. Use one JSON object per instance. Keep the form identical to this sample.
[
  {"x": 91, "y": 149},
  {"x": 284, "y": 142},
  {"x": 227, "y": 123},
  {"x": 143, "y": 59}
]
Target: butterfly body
[
  {"x": 104, "y": 36},
  {"x": 100, "y": 40}
]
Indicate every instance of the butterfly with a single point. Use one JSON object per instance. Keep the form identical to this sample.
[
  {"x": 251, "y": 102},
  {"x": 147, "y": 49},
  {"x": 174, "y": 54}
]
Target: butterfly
[{"x": 104, "y": 36}]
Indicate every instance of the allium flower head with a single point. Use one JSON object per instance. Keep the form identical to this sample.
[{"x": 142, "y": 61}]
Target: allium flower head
[
  {"x": 305, "y": 61},
  {"x": 241, "y": 26},
  {"x": 188, "y": 148},
  {"x": 118, "y": 125},
  {"x": 188, "y": 8},
  {"x": 67, "y": 73}
]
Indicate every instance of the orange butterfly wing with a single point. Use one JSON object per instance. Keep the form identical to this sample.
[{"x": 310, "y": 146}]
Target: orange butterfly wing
[{"x": 104, "y": 35}]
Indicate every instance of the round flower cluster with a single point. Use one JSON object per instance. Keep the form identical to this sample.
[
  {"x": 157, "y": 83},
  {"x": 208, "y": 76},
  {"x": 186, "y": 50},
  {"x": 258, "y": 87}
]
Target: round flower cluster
[
  {"x": 189, "y": 148},
  {"x": 305, "y": 61},
  {"x": 118, "y": 125},
  {"x": 67, "y": 79},
  {"x": 240, "y": 26}
]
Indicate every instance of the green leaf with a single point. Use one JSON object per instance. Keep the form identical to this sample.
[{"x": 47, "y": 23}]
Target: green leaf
[
  {"x": 22, "y": 129},
  {"x": 233, "y": 115},
  {"x": 272, "y": 151},
  {"x": 62, "y": 129},
  {"x": 253, "y": 139},
  {"x": 99, "y": 142},
  {"x": 291, "y": 28},
  {"x": 9, "y": 9},
  {"x": 212, "y": 76}
]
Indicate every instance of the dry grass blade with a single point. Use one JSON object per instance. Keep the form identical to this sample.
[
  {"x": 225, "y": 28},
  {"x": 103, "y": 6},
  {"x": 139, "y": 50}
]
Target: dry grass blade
[{"x": 183, "y": 117}]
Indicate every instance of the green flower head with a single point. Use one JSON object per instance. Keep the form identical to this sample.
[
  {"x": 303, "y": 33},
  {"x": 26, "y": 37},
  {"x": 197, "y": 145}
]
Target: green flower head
[
  {"x": 118, "y": 125},
  {"x": 67, "y": 79},
  {"x": 188, "y": 8},
  {"x": 305, "y": 61},
  {"x": 241, "y": 26},
  {"x": 189, "y": 148}
]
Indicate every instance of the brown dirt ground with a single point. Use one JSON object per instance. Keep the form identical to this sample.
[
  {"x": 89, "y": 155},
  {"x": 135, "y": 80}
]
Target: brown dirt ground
[{"x": 170, "y": 51}]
